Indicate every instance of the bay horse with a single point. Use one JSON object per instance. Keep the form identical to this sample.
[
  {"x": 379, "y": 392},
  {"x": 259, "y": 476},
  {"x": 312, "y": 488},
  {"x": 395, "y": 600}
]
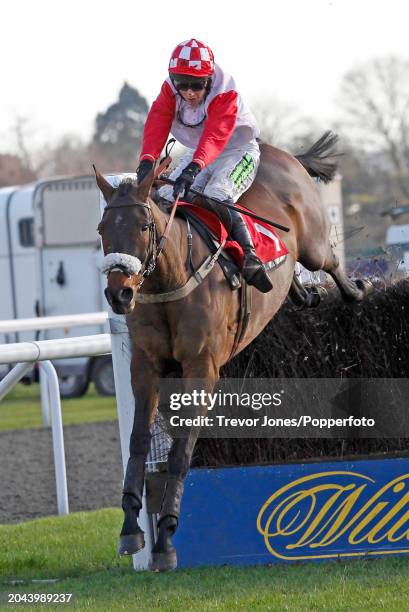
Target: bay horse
[{"x": 195, "y": 334}]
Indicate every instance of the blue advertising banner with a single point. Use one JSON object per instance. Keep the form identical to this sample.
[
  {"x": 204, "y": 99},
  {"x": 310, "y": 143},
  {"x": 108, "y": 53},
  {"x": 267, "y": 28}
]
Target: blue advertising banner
[{"x": 299, "y": 512}]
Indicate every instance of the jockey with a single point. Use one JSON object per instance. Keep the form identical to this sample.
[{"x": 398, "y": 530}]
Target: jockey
[{"x": 200, "y": 105}]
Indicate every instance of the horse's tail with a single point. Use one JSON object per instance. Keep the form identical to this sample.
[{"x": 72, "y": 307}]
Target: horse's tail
[{"x": 314, "y": 160}]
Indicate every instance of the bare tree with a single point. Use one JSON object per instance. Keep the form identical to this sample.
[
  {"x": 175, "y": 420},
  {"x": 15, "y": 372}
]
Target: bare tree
[
  {"x": 375, "y": 98},
  {"x": 21, "y": 129},
  {"x": 13, "y": 171},
  {"x": 68, "y": 156},
  {"x": 16, "y": 166}
]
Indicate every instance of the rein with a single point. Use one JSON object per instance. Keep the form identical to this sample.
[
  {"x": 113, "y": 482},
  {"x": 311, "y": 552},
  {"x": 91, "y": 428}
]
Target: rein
[
  {"x": 155, "y": 249},
  {"x": 167, "y": 228}
]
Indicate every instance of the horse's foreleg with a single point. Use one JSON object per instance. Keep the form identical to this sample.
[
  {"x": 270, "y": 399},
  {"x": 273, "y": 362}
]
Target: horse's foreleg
[
  {"x": 180, "y": 455},
  {"x": 146, "y": 401},
  {"x": 351, "y": 291},
  {"x": 302, "y": 297}
]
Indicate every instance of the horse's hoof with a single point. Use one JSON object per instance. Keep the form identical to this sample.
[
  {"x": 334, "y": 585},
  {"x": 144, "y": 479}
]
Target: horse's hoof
[
  {"x": 163, "y": 562},
  {"x": 364, "y": 285},
  {"x": 131, "y": 544},
  {"x": 315, "y": 295},
  {"x": 322, "y": 292}
]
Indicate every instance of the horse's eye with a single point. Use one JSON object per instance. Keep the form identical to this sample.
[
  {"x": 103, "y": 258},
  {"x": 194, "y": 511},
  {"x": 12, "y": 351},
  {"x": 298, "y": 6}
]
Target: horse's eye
[{"x": 145, "y": 227}]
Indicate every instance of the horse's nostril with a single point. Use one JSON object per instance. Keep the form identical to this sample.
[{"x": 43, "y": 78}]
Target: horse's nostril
[{"x": 125, "y": 296}]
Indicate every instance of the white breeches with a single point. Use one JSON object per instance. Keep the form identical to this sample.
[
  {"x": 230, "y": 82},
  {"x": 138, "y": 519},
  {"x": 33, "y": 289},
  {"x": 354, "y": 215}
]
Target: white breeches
[{"x": 227, "y": 177}]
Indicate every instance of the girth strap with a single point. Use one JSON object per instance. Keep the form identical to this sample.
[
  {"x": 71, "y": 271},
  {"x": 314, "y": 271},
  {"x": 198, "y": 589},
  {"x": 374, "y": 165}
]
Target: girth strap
[
  {"x": 193, "y": 282},
  {"x": 244, "y": 316}
]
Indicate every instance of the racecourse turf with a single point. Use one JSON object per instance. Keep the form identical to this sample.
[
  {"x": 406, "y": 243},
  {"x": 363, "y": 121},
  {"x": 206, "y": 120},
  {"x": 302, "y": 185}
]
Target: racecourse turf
[
  {"x": 21, "y": 408},
  {"x": 79, "y": 551}
]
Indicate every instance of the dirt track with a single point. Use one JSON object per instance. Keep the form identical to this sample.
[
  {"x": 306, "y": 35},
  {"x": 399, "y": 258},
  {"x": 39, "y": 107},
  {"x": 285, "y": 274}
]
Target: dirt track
[{"x": 27, "y": 480}]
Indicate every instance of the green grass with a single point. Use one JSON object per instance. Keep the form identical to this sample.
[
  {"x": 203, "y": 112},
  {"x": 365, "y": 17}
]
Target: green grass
[
  {"x": 21, "y": 408},
  {"x": 80, "y": 551}
]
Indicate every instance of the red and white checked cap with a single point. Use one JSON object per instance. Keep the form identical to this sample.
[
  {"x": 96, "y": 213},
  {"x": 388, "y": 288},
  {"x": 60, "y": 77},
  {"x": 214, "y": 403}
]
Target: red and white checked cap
[{"x": 193, "y": 58}]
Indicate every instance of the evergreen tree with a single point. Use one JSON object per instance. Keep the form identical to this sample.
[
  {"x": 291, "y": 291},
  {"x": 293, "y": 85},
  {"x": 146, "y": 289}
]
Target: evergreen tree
[{"x": 118, "y": 131}]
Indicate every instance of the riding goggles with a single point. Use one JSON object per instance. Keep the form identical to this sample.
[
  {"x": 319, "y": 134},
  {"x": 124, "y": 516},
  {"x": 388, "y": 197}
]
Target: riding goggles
[{"x": 194, "y": 85}]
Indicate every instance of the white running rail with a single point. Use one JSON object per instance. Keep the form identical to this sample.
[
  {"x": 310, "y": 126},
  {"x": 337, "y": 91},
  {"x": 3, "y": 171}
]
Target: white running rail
[
  {"x": 63, "y": 321},
  {"x": 42, "y": 351},
  {"x": 81, "y": 346}
]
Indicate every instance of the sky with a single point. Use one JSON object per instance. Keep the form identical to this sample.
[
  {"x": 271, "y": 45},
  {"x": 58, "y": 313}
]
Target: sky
[{"x": 62, "y": 62}]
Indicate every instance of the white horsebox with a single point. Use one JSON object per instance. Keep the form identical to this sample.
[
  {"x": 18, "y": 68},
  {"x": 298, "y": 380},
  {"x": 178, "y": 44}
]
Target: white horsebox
[{"x": 49, "y": 260}]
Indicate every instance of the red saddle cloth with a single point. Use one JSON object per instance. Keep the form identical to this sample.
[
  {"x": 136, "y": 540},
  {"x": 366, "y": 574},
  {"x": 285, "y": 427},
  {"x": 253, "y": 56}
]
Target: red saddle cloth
[{"x": 268, "y": 244}]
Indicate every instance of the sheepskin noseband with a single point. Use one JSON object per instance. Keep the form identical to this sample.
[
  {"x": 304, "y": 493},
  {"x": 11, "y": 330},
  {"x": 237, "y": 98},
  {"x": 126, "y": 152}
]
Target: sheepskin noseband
[{"x": 121, "y": 261}]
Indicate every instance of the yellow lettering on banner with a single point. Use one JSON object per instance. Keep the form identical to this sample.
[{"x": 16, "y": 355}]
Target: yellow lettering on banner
[
  {"x": 337, "y": 529},
  {"x": 370, "y": 537},
  {"x": 391, "y": 533},
  {"x": 315, "y": 511}
]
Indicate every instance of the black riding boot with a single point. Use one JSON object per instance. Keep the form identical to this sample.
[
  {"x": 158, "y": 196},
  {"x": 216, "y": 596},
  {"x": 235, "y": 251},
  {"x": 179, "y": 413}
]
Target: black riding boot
[{"x": 253, "y": 270}]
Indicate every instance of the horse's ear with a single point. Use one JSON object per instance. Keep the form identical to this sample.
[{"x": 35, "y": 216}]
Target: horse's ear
[
  {"x": 143, "y": 189},
  {"x": 105, "y": 187}
]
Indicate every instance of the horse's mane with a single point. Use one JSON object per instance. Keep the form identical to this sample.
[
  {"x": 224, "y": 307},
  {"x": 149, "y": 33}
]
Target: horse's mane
[{"x": 126, "y": 186}]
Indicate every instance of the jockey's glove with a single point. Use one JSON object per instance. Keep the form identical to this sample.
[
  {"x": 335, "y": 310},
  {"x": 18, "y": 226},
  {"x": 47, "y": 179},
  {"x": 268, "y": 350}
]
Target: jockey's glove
[
  {"x": 184, "y": 181},
  {"x": 143, "y": 170}
]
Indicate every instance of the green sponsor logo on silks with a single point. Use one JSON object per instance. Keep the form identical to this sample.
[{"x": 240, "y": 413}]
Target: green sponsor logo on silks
[{"x": 242, "y": 170}]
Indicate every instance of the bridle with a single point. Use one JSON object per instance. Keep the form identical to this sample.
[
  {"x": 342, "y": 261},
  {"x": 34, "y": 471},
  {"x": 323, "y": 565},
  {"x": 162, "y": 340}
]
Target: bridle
[{"x": 153, "y": 249}]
